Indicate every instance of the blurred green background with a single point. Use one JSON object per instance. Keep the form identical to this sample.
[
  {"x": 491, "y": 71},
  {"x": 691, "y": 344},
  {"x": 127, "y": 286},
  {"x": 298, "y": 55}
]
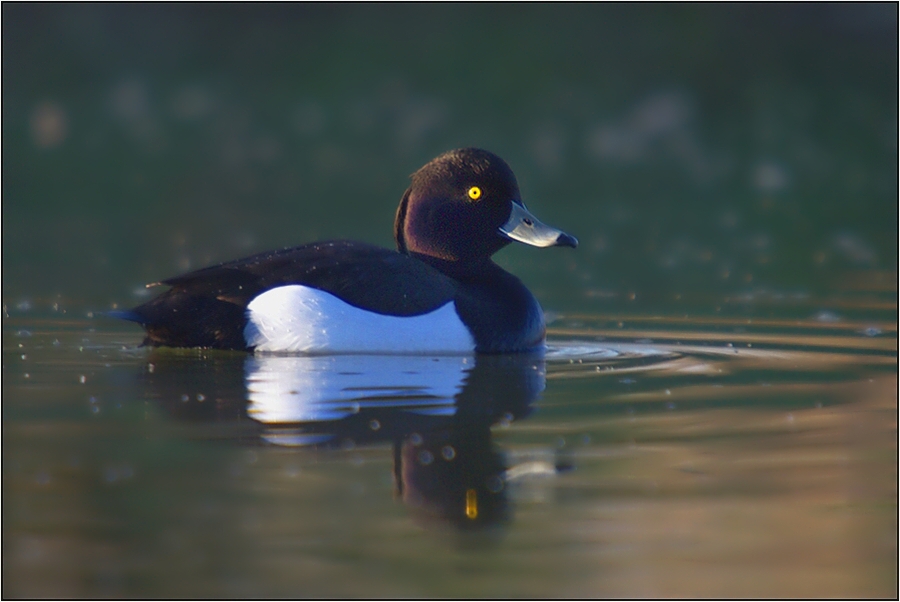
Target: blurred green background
[{"x": 696, "y": 151}]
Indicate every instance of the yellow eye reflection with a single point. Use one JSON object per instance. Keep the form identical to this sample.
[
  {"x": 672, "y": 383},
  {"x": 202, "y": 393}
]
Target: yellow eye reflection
[
  {"x": 474, "y": 193},
  {"x": 472, "y": 504}
]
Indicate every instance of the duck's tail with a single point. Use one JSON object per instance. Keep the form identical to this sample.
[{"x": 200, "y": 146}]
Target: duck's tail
[{"x": 125, "y": 314}]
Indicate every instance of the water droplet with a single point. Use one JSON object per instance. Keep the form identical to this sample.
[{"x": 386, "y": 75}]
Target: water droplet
[
  {"x": 374, "y": 425},
  {"x": 670, "y": 406},
  {"x": 95, "y": 409},
  {"x": 668, "y": 392},
  {"x": 494, "y": 484},
  {"x": 827, "y": 316},
  {"x": 23, "y": 333},
  {"x": 24, "y": 357},
  {"x": 448, "y": 452},
  {"x": 425, "y": 457},
  {"x": 151, "y": 368},
  {"x": 415, "y": 439},
  {"x": 82, "y": 379},
  {"x": 26, "y": 375},
  {"x": 185, "y": 398},
  {"x": 201, "y": 397},
  {"x": 871, "y": 331}
]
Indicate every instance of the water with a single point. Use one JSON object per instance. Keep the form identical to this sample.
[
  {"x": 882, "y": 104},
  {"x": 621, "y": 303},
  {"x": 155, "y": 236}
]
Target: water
[
  {"x": 717, "y": 412},
  {"x": 640, "y": 456}
]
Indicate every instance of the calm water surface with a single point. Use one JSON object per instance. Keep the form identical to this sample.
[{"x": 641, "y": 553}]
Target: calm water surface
[{"x": 640, "y": 456}]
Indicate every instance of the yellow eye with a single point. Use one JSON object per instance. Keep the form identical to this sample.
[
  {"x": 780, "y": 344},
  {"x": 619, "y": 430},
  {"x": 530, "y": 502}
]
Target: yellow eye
[{"x": 474, "y": 193}]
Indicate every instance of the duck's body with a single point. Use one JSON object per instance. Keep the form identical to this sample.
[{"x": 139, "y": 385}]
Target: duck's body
[{"x": 439, "y": 293}]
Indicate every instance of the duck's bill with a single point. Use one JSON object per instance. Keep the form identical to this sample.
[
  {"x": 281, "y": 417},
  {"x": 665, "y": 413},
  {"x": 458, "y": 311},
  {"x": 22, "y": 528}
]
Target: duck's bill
[{"x": 524, "y": 227}]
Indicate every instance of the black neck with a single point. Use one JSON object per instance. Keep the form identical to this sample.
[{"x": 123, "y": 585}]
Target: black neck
[{"x": 463, "y": 271}]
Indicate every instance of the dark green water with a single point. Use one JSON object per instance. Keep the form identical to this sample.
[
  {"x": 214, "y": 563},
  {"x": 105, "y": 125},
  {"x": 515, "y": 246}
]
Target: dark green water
[{"x": 716, "y": 415}]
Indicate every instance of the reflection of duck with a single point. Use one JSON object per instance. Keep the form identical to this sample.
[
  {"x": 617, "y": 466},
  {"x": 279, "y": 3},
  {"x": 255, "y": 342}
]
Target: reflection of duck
[
  {"x": 387, "y": 395},
  {"x": 453, "y": 475},
  {"x": 438, "y": 293},
  {"x": 192, "y": 387},
  {"x": 293, "y": 389},
  {"x": 437, "y": 411}
]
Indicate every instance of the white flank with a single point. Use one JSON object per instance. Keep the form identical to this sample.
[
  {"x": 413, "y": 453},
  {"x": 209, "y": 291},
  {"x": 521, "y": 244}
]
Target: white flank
[{"x": 301, "y": 319}]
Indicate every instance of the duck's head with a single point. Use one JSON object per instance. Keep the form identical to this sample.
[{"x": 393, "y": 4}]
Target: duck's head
[{"x": 464, "y": 206}]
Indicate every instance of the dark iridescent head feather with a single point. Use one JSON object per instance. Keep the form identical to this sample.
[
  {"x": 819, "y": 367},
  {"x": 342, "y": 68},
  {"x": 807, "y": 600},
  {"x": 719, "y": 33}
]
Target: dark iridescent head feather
[{"x": 437, "y": 218}]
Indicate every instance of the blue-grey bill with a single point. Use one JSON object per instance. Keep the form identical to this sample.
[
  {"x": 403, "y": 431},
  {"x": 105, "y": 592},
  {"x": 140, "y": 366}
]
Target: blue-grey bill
[{"x": 524, "y": 227}]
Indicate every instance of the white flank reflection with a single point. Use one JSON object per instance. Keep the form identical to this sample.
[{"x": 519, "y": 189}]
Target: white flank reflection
[{"x": 291, "y": 389}]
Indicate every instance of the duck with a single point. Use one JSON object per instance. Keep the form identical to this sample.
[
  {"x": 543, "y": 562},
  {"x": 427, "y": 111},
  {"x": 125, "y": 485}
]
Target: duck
[{"x": 438, "y": 292}]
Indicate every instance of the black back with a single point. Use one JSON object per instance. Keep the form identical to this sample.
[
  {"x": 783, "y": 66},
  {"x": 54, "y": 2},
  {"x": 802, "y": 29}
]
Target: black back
[{"x": 206, "y": 308}]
